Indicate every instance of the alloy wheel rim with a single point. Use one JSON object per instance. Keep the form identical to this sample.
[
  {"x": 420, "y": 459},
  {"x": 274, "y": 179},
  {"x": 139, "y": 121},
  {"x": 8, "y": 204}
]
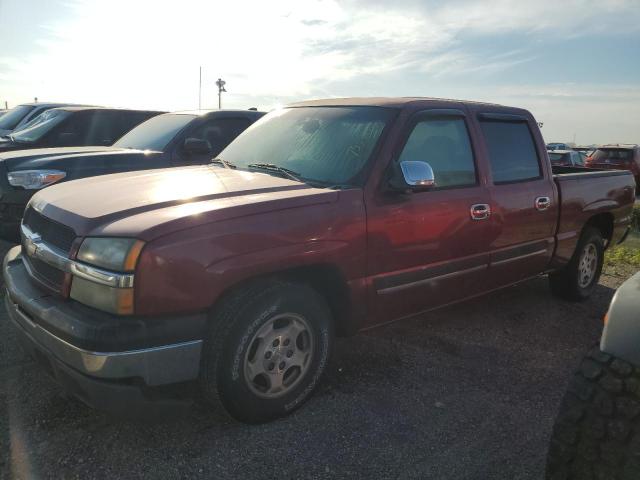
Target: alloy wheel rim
[
  {"x": 588, "y": 265},
  {"x": 279, "y": 355}
]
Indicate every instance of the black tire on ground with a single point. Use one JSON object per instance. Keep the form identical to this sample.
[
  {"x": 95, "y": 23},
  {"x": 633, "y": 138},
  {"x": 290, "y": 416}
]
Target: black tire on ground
[
  {"x": 229, "y": 344},
  {"x": 565, "y": 283},
  {"x": 597, "y": 431}
]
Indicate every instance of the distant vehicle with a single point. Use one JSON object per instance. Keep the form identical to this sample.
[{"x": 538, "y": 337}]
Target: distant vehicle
[
  {"x": 74, "y": 126},
  {"x": 597, "y": 430},
  {"x": 566, "y": 158},
  {"x": 19, "y": 116},
  {"x": 168, "y": 140},
  {"x": 327, "y": 217},
  {"x": 617, "y": 157},
  {"x": 558, "y": 146}
]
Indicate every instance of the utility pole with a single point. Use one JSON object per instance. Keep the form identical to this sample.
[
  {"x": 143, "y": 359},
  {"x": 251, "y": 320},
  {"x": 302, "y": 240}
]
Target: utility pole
[
  {"x": 200, "y": 91},
  {"x": 220, "y": 83}
]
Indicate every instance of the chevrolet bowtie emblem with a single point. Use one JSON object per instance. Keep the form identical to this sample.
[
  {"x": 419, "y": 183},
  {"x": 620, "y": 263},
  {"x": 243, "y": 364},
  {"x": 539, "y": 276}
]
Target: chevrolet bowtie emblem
[{"x": 31, "y": 244}]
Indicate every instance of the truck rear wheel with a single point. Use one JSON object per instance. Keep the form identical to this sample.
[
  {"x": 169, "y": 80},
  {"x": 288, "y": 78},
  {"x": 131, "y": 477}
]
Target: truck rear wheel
[
  {"x": 577, "y": 280},
  {"x": 266, "y": 349},
  {"x": 597, "y": 431}
]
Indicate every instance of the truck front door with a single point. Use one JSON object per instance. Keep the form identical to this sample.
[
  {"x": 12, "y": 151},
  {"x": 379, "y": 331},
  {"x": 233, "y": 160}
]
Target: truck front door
[{"x": 430, "y": 248}]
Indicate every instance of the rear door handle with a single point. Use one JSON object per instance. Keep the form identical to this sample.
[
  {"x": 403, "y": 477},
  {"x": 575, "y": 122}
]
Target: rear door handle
[
  {"x": 542, "y": 203},
  {"x": 480, "y": 211}
]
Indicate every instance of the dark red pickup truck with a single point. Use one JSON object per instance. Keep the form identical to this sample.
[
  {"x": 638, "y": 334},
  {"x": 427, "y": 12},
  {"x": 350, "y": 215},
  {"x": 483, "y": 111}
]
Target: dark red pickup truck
[{"x": 323, "y": 218}]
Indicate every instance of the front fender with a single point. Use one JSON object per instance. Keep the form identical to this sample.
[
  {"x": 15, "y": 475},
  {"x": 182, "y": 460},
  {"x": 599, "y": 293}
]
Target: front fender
[{"x": 621, "y": 335}]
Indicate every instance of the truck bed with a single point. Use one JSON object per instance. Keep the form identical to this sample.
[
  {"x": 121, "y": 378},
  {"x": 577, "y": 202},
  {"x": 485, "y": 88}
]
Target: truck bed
[
  {"x": 586, "y": 192},
  {"x": 585, "y": 172}
]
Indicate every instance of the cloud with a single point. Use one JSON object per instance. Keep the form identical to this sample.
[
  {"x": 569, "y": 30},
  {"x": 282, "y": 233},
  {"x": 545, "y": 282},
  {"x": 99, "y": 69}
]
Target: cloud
[{"x": 146, "y": 53}]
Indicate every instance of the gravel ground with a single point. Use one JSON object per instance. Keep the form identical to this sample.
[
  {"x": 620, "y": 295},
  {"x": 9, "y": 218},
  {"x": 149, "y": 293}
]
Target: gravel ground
[{"x": 467, "y": 392}]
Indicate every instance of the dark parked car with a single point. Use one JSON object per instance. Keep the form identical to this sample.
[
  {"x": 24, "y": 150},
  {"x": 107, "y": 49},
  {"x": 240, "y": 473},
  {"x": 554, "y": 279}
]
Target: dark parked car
[
  {"x": 74, "y": 126},
  {"x": 566, "y": 158},
  {"x": 597, "y": 431},
  {"x": 618, "y": 157},
  {"x": 19, "y": 116},
  {"x": 323, "y": 218},
  {"x": 168, "y": 140}
]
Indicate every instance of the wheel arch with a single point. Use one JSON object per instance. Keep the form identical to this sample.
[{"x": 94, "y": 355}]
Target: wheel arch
[
  {"x": 327, "y": 279},
  {"x": 604, "y": 223}
]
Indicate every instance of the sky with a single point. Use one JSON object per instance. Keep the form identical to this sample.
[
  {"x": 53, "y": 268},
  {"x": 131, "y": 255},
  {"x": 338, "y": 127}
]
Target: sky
[{"x": 575, "y": 64}]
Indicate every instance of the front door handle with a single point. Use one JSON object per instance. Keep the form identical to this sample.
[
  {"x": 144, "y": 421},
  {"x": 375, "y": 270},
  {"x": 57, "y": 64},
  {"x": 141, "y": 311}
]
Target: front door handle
[
  {"x": 542, "y": 203},
  {"x": 480, "y": 211}
]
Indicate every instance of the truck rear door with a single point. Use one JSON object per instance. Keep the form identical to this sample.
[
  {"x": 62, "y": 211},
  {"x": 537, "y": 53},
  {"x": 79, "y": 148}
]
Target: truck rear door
[
  {"x": 430, "y": 248},
  {"x": 524, "y": 208}
]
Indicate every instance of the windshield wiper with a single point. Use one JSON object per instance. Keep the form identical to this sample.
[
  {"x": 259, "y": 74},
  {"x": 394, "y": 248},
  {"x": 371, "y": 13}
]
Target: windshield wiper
[
  {"x": 224, "y": 163},
  {"x": 275, "y": 168}
]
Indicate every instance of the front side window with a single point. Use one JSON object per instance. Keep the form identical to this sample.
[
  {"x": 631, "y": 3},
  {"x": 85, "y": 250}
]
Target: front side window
[
  {"x": 512, "y": 152},
  {"x": 443, "y": 144},
  {"x": 325, "y": 145},
  {"x": 220, "y": 132}
]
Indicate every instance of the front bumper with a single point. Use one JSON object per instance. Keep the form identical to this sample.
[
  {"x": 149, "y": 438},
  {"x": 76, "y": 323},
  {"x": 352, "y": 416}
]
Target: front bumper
[{"x": 42, "y": 320}]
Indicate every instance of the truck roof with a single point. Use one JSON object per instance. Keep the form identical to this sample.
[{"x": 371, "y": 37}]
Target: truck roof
[
  {"x": 210, "y": 111},
  {"x": 397, "y": 102},
  {"x": 620, "y": 145},
  {"x": 78, "y": 108}
]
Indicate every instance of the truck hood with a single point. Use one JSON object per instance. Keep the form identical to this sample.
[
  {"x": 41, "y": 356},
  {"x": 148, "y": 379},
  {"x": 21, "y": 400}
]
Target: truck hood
[
  {"x": 28, "y": 159},
  {"x": 153, "y": 203}
]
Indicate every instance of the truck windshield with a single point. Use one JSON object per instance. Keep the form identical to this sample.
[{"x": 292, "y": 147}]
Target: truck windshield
[
  {"x": 39, "y": 126},
  {"x": 329, "y": 146},
  {"x": 155, "y": 133},
  {"x": 13, "y": 117},
  {"x": 612, "y": 155}
]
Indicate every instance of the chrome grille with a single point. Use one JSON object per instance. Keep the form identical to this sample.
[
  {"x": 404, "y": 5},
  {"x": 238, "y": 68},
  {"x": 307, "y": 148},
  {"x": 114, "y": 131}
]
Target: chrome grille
[{"x": 51, "y": 232}]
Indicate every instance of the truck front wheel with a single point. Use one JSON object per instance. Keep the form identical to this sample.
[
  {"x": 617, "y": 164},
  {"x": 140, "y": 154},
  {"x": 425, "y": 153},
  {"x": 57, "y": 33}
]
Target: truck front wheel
[
  {"x": 577, "y": 280},
  {"x": 597, "y": 431},
  {"x": 266, "y": 349}
]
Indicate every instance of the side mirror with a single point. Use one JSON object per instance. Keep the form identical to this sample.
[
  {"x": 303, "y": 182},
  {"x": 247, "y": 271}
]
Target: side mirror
[
  {"x": 196, "y": 146},
  {"x": 413, "y": 175}
]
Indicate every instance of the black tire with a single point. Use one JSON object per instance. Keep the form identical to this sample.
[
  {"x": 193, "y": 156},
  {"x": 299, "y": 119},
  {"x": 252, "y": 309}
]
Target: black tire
[
  {"x": 597, "y": 431},
  {"x": 231, "y": 330},
  {"x": 565, "y": 283}
]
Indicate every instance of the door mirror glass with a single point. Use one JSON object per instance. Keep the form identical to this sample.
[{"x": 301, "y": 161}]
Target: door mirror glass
[
  {"x": 197, "y": 146},
  {"x": 417, "y": 174}
]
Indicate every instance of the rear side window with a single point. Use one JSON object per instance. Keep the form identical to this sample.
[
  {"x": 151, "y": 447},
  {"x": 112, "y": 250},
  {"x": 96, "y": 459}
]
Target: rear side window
[
  {"x": 102, "y": 128},
  {"x": 512, "y": 152},
  {"x": 444, "y": 144}
]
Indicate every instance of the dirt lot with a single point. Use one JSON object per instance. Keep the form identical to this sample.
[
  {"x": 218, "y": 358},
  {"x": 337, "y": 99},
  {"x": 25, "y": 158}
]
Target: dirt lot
[{"x": 468, "y": 392}]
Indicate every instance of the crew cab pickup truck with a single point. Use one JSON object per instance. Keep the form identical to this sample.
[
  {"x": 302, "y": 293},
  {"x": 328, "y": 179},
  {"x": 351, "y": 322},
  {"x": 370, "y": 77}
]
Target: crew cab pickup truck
[
  {"x": 74, "y": 126},
  {"x": 171, "y": 139},
  {"x": 321, "y": 219}
]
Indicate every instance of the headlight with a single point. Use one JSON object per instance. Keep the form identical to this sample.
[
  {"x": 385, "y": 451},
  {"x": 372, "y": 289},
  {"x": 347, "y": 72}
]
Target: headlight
[
  {"x": 110, "y": 286},
  {"x": 118, "y": 254},
  {"x": 34, "y": 179}
]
